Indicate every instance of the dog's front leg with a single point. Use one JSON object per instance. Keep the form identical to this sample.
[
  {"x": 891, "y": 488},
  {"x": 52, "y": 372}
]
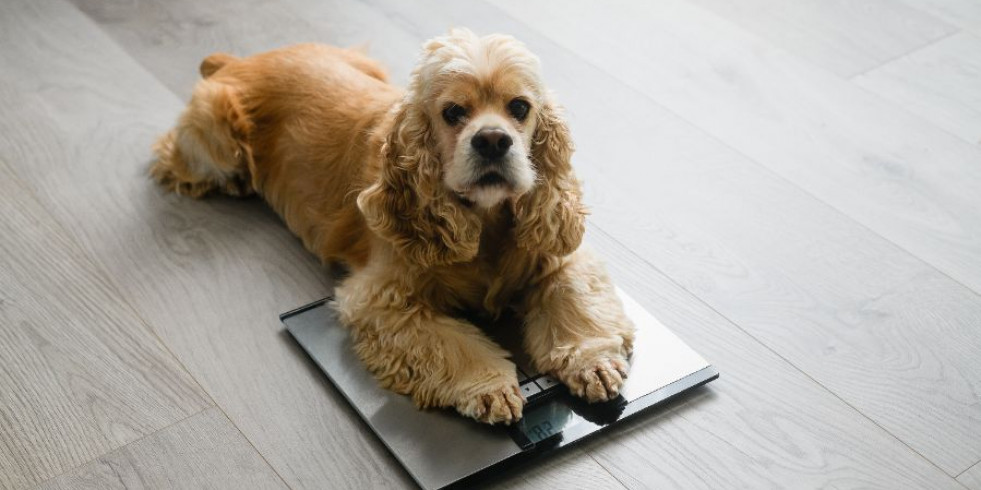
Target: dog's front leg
[
  {"x": 438, "y": 360},
  {"x": 576, "y": 330}
]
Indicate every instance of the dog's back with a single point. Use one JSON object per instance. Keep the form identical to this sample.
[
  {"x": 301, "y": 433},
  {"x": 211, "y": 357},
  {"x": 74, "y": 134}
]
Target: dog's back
[{"x": 294, "y": 125}]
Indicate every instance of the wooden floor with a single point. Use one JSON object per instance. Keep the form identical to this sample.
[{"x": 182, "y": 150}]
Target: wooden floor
[{"x": 792, "y": 187}]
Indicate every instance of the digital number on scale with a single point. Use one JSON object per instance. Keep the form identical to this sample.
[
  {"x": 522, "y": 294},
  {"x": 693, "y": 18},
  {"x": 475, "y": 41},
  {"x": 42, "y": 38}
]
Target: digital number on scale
[{"x": 541, "y": 431}]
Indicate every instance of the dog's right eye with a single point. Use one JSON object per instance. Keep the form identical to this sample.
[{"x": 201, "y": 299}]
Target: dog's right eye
[{"x": 453, "y": 113}]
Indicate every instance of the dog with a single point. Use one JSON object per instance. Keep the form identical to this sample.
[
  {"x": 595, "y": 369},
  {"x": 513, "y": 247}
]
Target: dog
[{"x": 455, "y": 195}]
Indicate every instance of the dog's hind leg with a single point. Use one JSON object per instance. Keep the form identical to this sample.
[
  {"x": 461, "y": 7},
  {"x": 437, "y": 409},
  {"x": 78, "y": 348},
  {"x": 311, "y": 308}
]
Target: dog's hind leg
[{"x": 208, "y": 150}]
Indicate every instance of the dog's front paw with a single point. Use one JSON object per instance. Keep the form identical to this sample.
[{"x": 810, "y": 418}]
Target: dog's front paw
[
  {"x": 501, "y": 402},
  {"x": 597, "y": 379}
]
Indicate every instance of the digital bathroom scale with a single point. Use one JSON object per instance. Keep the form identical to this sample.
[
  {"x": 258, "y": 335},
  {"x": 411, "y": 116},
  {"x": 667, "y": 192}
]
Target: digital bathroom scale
[{"x": 440, "y": 448}]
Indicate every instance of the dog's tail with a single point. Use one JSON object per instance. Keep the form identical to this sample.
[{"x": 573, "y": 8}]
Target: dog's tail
[
  {"x": 215, "y": 62},
  {"x": 209, "y": 150}
]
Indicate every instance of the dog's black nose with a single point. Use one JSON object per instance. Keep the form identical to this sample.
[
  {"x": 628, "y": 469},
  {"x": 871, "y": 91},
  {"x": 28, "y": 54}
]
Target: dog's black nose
[{"x": 491, "y": 143}]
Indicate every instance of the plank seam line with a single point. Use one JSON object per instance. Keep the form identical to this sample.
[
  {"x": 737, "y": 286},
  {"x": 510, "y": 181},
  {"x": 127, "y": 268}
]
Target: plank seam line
[
  {"x": 904, "y": 108},
  {"x": 124, "y": 446},
  {"x": 930, "y": 43},
  {"x": 977, "y": 464},
  {"x": 604, "y": 468}
]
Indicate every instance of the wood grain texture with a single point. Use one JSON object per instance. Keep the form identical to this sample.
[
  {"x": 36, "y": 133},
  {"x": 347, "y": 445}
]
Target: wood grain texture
[
  {"x": 203, "y": 451},
  {"x": 208, "y": 274},
  {"x": 875, "y": 325},
  {"x": 209, "y": 277},
  {"x": 763, "y": 424},
  {"x": 872, "y": 323},
  {"x": 896, "y": 174},
  {"x": 971, "y": 478},
  {"x": 962, "y": 13},
  {"x": 842, "y": 36},
  {"x": 941, "y": 83},
  {"x": 566, "y": 469},
  {"x": 171, "y": 38},
  {"x": 80, "y": 373}
]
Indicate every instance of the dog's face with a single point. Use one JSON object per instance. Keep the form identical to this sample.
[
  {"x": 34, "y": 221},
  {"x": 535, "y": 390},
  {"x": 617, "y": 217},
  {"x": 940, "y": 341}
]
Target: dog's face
[
  {"x": 481, "y": 96},
  {"x": 476, "y": 128}
]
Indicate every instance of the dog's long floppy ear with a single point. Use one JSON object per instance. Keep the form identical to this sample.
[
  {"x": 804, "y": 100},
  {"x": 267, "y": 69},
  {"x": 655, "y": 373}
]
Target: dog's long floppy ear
[
  {"x": 409, "y": 206},
  {"x": 551, "y": 218}
]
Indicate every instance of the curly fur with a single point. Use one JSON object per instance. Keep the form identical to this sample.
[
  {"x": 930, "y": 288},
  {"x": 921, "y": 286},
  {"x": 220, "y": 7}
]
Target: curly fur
[
  {"x": 409, "y": 206},
  {"x": 372, "y": 176},
  {"x": 553, "y": 219}
]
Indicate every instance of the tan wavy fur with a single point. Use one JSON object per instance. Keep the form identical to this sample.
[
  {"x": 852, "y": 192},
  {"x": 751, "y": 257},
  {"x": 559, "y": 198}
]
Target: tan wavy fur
[{"x": 384, "y": 181}]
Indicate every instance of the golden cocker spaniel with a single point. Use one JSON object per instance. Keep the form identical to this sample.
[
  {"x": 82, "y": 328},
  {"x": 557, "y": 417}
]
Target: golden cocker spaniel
[{"x": 456, "y": 195}]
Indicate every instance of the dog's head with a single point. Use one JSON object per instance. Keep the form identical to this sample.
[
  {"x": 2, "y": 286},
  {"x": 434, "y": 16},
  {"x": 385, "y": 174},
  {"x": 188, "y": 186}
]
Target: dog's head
[{"x": 476, "y": 129}]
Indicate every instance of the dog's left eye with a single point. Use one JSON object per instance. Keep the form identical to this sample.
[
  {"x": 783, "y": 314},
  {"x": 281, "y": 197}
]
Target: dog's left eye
[{"x": 519, "y": 109}]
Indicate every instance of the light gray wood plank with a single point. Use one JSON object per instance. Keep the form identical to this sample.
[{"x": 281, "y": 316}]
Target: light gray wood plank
[
  {"x": 203, "y": 451},
  {"x": 972, "y": 477},
  {"x": 961, "y": 13},
  {"x": 567, "y": 469},
  {"x": 941, "y": 83},
  {"x": 842, "y": 36},
  {"x": 888, "y": 169},
  {"x": 209, "y": 277},
  {"x": 80, "y": 374},
  {"x": 171, "y": 38},
  {"x": 763, "y": 424},
  {"x": 873, "y": 324}
]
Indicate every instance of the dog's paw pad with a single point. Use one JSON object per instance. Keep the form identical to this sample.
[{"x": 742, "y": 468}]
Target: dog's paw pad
[
  {"x": 597, "y": 380},
  {"x": 502, "y": 404}
]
